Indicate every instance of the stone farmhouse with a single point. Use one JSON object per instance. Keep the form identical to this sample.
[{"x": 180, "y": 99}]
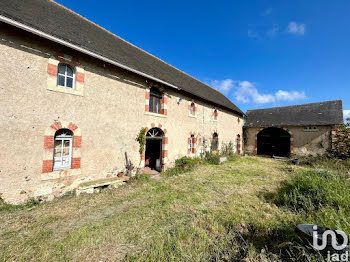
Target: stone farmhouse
[{"x": 74, "y": 97}]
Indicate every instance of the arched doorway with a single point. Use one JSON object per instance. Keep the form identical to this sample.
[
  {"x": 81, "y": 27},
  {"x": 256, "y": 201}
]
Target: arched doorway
[
  {"x": 273, "y": 141},
  {"x": 154, "y": 142}
]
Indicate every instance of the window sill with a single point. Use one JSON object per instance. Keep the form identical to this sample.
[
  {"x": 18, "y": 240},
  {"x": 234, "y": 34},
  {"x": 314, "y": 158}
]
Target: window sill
[
  {"x": 66, "y": 90},
  {"x": 155, "y": 114},
  {"x": 193, "y": 116},
  {"x": 56, "y": 174}
]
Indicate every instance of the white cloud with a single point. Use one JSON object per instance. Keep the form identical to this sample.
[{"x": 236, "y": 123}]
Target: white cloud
[
  {"x": 295, "y": 28},
  {"x": 223, "y": 85},
  {"x": 289, "y": 96},
  {"x": 346, "y": 114},
  {"x": 246, "y": 92}
]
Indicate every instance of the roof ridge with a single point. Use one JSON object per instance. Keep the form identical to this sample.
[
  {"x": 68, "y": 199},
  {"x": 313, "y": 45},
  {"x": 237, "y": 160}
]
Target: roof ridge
[
  {"x": 328, "y": 101},
  {"x": 106, "y": 30}
]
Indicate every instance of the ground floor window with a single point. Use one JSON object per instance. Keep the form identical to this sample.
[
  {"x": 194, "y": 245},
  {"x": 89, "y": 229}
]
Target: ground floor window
[
  {"x": 215, "y": 142},
  {"x": 238, "y": 143},
  {"x": 62, "y": 149},
  {"x": 192, "y": 144}
]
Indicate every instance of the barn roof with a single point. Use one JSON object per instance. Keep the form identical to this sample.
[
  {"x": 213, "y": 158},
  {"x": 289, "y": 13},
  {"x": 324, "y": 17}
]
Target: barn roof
[
  {"x": 52, "y": 19},
  {"x": 321, "y": 113}
]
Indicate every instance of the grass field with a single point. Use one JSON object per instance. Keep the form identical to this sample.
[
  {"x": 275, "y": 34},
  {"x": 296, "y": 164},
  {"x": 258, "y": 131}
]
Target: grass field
[{"x": 239, "y": 210}]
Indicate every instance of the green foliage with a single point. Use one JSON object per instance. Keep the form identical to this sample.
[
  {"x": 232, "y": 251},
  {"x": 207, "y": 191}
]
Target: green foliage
[
  {"x": 227, "y": 149},
  {"x": 141, "y": 138},
  {"x": 326, "y": 162},
  {"x": 212, "y": 158},
  {"x": 341, "y": 145},
  {"x": 314, "y": 189},
  {"x": 183, "y": 165},
  {"x": 9, "y": 207}
]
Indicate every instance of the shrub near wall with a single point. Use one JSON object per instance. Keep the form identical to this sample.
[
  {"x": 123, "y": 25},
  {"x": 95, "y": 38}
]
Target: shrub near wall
[{"x": 341, "y": 142}]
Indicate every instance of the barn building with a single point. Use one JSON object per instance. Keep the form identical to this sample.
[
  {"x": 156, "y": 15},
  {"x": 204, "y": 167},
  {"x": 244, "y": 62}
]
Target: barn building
[
  {"x": 299, "y": 129},
  {"x": 74, "y": 97}
]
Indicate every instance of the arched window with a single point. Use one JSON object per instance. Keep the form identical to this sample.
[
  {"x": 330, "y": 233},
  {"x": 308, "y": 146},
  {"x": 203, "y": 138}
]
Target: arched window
[
  {"x": 65, "y": 76},
  {"x": 155, "y": 100},
  {"x": 62, "y": 154},
  {"x": 193, "y": 109},
  {"x": 215, "y": 142},
  {"x": 215, "y": 114}
]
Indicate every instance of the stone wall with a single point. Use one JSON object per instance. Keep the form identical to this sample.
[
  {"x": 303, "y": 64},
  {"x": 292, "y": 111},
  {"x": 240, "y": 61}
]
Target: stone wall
[{"x": 108, "y": 110}]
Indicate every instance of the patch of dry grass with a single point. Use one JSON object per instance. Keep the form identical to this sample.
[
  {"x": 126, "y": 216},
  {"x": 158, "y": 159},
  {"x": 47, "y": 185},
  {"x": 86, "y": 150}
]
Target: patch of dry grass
[{"x": 210, "y": 213}]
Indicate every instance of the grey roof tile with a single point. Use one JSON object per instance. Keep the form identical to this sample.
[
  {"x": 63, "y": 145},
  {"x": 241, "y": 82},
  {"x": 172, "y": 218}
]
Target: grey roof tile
[{"x": 321, "y": 113}]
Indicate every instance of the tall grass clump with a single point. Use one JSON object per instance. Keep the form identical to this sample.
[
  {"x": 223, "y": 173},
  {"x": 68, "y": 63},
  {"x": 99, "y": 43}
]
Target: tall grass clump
[
  {"x": 227, "y": 149},
  {"x": 182, "y": 165},
  {"x": 27, "y": 205},
  {"x": 313, "y": 189},
  {"x": 211, "y": 158},
  {"x": 326, "y": 162}
]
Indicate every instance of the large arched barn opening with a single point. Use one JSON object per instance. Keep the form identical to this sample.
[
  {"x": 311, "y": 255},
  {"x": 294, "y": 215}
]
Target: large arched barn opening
[
  {"x": 154, "y": 143},
  {"x": 273, "y": 141}
]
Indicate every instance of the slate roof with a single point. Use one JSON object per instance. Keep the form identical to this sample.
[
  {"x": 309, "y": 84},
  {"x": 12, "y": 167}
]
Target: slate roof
[
  {"x": 321, "y": 113},
  {"x": 56, "y": 20}
]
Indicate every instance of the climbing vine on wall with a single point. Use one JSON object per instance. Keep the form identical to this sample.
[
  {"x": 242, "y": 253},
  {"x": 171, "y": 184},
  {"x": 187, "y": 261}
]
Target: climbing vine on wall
[
  {"x": 141, "y": 138},
  {"x": 341, "y": 144}
]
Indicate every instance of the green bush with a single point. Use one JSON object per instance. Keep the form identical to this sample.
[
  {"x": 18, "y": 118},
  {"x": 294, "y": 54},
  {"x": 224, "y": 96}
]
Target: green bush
[
  {"x": 183, "y": 165},
  {"x": 212, "y": 158},
  {"x": 227, "y": 149},
  {"x": 313, "y": 189}
]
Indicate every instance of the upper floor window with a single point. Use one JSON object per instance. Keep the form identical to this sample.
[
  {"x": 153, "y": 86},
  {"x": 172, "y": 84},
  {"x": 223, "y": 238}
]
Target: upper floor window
[
  {"x": 215, "y": 114},
  {"x": 62, "y": 149},
  {"x": 193, "y": 109},
  {"x": 155, "y": 100},
  {"x": 65, "y": 76}
]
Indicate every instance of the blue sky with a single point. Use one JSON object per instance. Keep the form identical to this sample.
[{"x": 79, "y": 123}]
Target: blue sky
[{"x": 259, "y": 53}]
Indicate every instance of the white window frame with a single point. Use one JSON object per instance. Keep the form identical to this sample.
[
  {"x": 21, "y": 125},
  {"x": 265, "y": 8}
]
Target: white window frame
[
  {"x": 65, "y": 75},
  {"x": 58, "y": 161}
]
